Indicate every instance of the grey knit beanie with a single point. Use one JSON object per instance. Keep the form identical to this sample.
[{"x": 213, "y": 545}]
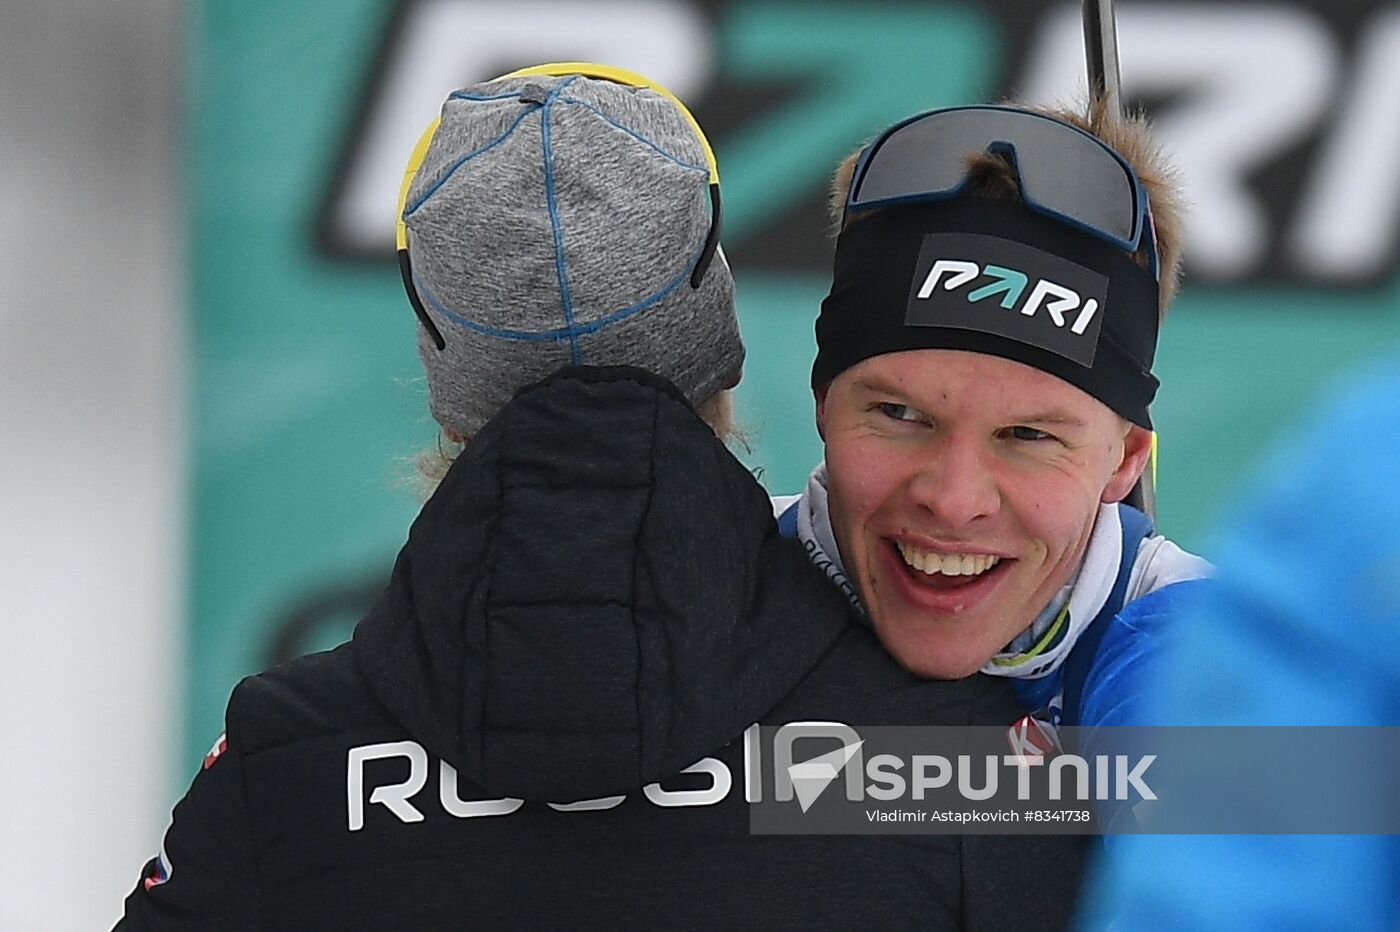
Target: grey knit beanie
[{"x": 556, "y": 221}]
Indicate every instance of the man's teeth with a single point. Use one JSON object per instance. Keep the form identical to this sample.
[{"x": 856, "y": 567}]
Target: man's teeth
[{"x": 948, "y": 564}]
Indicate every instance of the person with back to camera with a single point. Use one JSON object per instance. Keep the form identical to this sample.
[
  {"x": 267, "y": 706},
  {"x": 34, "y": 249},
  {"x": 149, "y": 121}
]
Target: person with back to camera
[{"x": 544, "y": 722}]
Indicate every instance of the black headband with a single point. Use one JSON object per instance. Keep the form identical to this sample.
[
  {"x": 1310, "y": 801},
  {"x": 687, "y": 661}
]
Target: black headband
[{"x": 990, "y": 276}]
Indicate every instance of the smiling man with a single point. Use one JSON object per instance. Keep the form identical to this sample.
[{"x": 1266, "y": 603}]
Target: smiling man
[
  {"x": 550, "y": 718},
  {"x": 982, "y": 385}
]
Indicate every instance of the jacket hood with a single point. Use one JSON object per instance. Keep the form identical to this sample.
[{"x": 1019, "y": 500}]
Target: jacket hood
[{"x": 594, "y": 598}]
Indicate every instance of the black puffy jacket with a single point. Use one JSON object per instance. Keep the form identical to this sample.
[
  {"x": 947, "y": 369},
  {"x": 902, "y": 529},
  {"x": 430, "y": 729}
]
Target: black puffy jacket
[{"x": 595, "y": 599}]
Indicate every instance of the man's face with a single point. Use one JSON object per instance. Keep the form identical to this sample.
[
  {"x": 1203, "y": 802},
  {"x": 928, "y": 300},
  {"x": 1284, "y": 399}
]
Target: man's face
[{"x": 963, "y": 489}]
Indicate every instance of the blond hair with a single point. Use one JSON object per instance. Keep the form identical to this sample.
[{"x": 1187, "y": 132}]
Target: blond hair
[
  {"x": 991, "y": 175},
  {"x": 430, "y": 466}
]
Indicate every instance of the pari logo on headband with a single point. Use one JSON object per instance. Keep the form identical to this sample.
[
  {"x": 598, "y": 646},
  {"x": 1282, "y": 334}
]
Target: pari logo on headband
[{"x": 974, "y": 282}]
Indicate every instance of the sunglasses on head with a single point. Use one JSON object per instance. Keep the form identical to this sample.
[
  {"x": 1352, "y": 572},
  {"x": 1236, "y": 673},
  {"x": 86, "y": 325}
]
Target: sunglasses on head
[
  {"x": 1064, "y": 172},
  {"x": 556, "y": 69}
]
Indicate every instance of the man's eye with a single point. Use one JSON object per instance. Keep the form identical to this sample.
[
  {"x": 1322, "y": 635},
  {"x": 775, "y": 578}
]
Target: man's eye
[
  {"x": 1029, "y": 433},
  {"x": 899, "y": 412}
]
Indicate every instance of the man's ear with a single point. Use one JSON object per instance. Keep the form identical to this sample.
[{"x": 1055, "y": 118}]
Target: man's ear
[
  {"x": 820, "y": 394},
  {"x": 1137, "y": 450}
]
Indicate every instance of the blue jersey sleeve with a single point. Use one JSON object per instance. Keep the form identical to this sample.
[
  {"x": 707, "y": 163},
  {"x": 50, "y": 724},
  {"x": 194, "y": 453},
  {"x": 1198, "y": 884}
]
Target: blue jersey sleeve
[{"x": 1126, "y": 667}]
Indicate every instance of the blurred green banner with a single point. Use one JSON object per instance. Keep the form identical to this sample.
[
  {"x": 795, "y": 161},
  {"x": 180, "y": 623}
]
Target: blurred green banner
[{"x": 309, "y": 401}]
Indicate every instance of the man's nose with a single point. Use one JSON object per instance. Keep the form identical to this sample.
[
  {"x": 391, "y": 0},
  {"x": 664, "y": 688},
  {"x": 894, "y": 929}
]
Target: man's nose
[{"x": 955, "y": 484}]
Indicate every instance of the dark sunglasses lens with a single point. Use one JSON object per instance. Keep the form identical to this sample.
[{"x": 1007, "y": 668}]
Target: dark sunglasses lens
[
  {"x": 1063, "y": 171},
  {"x": 922, "y": 157},
  {"x": 1075, "y": 177}
]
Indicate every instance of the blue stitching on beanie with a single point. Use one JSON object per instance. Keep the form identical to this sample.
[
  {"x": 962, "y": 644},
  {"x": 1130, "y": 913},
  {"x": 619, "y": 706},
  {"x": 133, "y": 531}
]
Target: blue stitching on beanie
[
  {"x": 463, "y": 95},
  {"x": 570, "y": 333},
  {"x": 637, "y": 136},
  {"x": 575, "y": 355},
  {"x": 410, "y": 208}
]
